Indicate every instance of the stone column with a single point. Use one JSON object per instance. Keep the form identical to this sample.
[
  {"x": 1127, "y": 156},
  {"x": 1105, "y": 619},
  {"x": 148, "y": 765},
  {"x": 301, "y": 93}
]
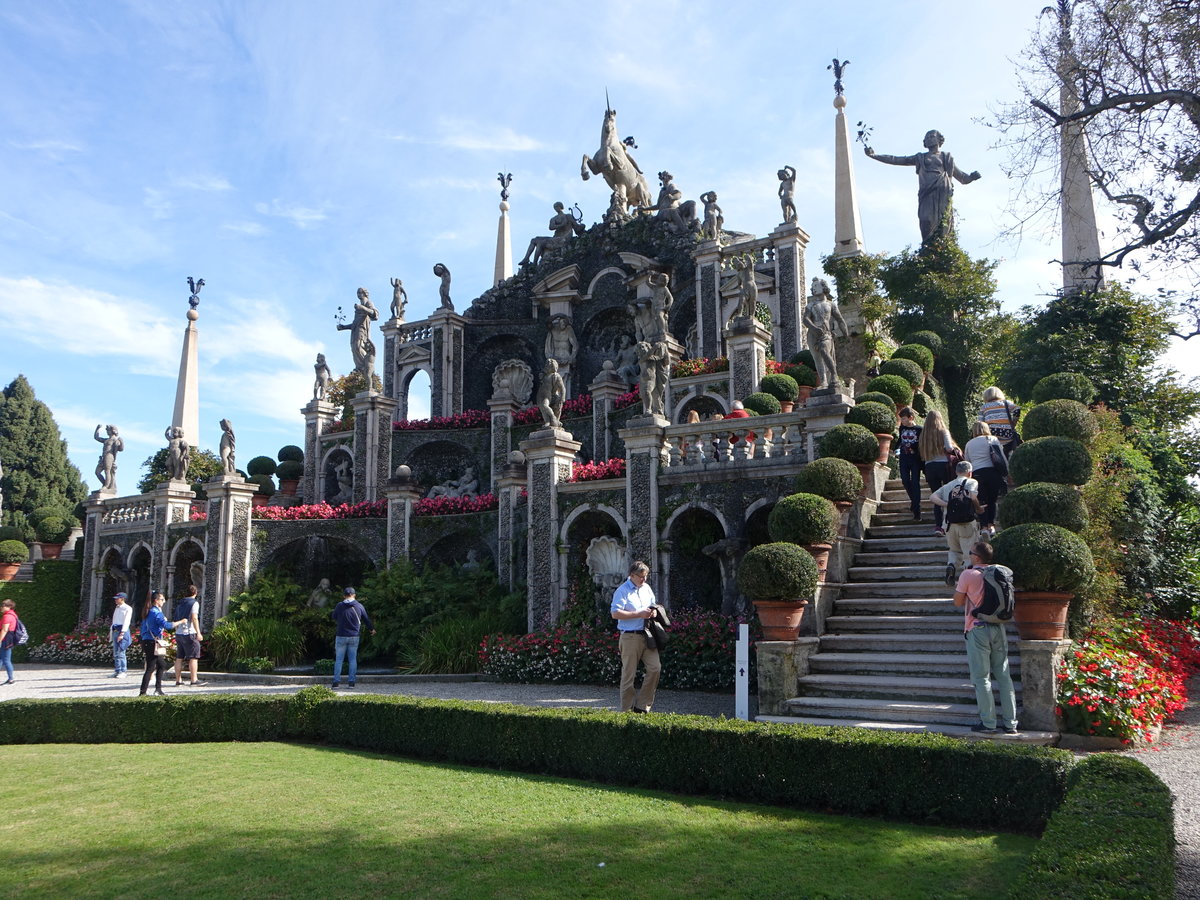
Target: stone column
[
  {"x": 605, "y": 389},
  {"x": 226, "y": 544},
  {"x": 509, "y": 484},
  {"x": 372, "y": 444},
  {"x": 401, "y": 493},
  {"x": 645, "y": 450},
  {"x": 1039, "y": 687},
  {"x": 172, "y": 504},
  {"x": 708, "y": 298},
  {"x": 746, "y": 340},
  {"x": 502, "y": 410},
  {"x": 91, "y": 582},
  {"x": 781, "y": 664},
  {"x": 446, "y": 388},
  {"x": 790, "y": 280},
  {"x": 548, "y": 453},
  {"x": 390, "y": 329},
  {"x": 318, "y": 415}
]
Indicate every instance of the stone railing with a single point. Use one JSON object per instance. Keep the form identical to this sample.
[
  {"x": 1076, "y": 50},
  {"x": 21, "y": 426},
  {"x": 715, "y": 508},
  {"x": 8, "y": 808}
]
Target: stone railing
[
  {"x": 415, "y": 333},
  {"x": 762, "y": 250},
  {"x": 724, "y": 442},
  {"x": 128, "y": 510}
]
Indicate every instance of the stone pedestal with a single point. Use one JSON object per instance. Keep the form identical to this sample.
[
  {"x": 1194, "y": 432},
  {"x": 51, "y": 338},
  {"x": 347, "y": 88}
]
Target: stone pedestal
[
  {"x": 510, "y": 482},
  {"x": 645, "y": 452},
  {"x": 605, "y": 389},
  {"x": 746, "y": 340},
  {"x": 1039, "y": 687},
  {"x": 789, "y": 241},
  {"x": 226, "y": 544},
  {"x": 709, "y": 319},
  {"x": 502, "y": 411},
  {"x": 172, "y": 504},
  {"x": 372, "y": 444},
  {"x": 318, "y": 415},
  {"x": 781, "y": 664},
  {"x": 548, "y": 454},
  {"x": 401, "y": 493},
  {"x": 446, "y": 379},
  {"x": 825, "y": 409},
  {"x": 389, "y": 330}
]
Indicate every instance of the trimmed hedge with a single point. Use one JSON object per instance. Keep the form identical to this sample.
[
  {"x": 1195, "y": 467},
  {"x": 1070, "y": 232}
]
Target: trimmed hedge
[
  {"x": 261, "y": 465},
  {"x": 875, "y": 397},
  {"x": 900, "y": 390},
  {"x": 782, "y": 387},
  {"x": 930, "y": 339},
  {"x": 13, "y": 551},
  {"x": 1064, "y": 386},
  {"x": 918, "y": 353},
  {"x": 802, "y": 374},
  {"x": 1060, "y": 418},
  {"x": 803, "y": 519},
  {"x": 832, "y": 478},
  {"x": 804, "y": 358},
  {"x": 763, "y": 404},
  {"x": 780, "y": 571},
  {"x": 1056, "y": 459},
  {"x": 1113, "y": 836},
  {"x": 47, "y": 605},
  {"x": 849, "y": 442},
  {"x": 290, "y": 470},
  {"x": 1045, "y": 557},
  {"x": 290, "y": 453},
  {"x": 877, "y": 418},
  {"x": 1041, "y": 501},
  {"x": 904, "y": 368}
]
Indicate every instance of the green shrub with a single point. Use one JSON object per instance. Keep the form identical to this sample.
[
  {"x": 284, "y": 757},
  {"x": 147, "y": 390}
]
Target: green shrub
[
  {"x": 13, "y": 552},
  {"x": 290, "y": 453},
  {"x": 922, "y": 403},
  {"x": 323, "y": 667},
  {"x": 54, "y": 530},
  {"x": 261, "y": 465},
  {"x": 254, "y": 665},
  {"x": 875, "y": 397},
  {"x": 42, "y": 513},
  {"x": 778, "y": 571},
  {"x": 832, "y": 478},
  {"x": 802, "y": 374},
  {"x": 782, "y": 387},
  {"x": 1042, "y": 501},
  {"x": 49, "y": 604},
  {"x": 11, "y": 533},
  {"x": 850, "y": 442},
  {"x": 929, "y": 339},
  {"x": 906, "y": 369},
  {"x": 804, "y": 358},
  {"x": 452, "y": 645},
  {"x": 899, "y": 390},
  {"x": 1064, "y": 386},
  {"x": 1060, "y": 418},
  {"x": 877, "y": 418},
  {"x": 301, "y": 715},
  {"x": 803, "y": 519},
  {"x": 917, "y": 353},
  {"x": 763, "y": 404},
  {"x": 231, "y": 639},
  {"x": 290, "y": 470},
  {"x": 1045, "y": 557},
  {"x": 265, "y": 484},
  {"x": 1057, "y": 459},
  {"x": 1113, "y": 836}
]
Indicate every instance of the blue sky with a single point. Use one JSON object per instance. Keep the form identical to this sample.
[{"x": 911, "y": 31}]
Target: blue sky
[{"x": 289, "y": 152}]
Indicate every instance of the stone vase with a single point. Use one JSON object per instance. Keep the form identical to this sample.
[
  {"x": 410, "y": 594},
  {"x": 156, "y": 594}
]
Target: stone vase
[
  {"x": 8, "y": 571},
  {"x": 1042, "y": 615},
  {"x": 820, "y": 553},
  {"x": 780, "y": 618},
  {"x": 289, "y": 486},
  {"x": 805, "y": 391},
  {"x": 786, "y": 406},
  {"x": 885, "y": 447},
  {"x": 843, "y": 507}
]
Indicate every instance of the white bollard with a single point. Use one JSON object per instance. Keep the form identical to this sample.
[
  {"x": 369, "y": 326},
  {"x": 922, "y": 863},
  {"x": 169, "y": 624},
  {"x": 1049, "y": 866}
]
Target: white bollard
[{"x": 741, "y": 674}]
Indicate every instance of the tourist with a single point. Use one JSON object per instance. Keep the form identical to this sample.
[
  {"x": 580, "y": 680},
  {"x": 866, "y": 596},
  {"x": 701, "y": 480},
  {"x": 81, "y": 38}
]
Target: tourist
[
  {"x": 910, "y": 459},
  {"x": 960, "y": 498},
  {"x": 119, "y": 633},
  {"x": 349, "y": 616},
  {"x": 632, "y": 604},
  {"x": 987, "y": 648},
  {"x": 188, "y": 636},
  {"x": 153, "y": 638},
  {"x": 1002, "y": 418},
  {"x": 739, "y": 411},
  {"x": 935, "y": 446},
  {"x": 8, "y": 635},
  {"x": 990, "y": 468}
]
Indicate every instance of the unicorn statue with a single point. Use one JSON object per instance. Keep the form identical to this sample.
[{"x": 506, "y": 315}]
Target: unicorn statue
[{"x": 617, "y": 167}]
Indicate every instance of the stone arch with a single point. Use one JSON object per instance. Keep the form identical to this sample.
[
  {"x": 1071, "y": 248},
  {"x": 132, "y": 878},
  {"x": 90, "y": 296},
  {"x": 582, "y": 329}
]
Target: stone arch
[
  {"x": 327, "y": 480},
  {"x": 454, "y": 549},
  {"x": 604, "y": 273},
  {"x": 113, "y": 578},
  {"x": 140, "y": 562},
  {"x": 438, "y": 461},
  {"x": 696, "y": 580},
  {"x": 754, "y": 527},
  {"x": 598, "y": 341},
  {"x": 404, "y": 379},
  {"x": 306, "y": 560},
  {"x": 578, "y": 530},
  {"x": 184, "y": 556},
  {"x": 706, "y": 404}
]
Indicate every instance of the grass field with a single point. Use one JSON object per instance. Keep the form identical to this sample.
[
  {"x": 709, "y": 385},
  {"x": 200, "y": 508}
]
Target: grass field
[{"x": 294, "y": 821}]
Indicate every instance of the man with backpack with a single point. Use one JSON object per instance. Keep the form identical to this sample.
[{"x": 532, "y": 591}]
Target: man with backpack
[
  {"x": 349, "y": 616},
  {"x": 985, "y": 592},
  {"x": 187, "y": 636},
  {"x": 960, "y": 498}
]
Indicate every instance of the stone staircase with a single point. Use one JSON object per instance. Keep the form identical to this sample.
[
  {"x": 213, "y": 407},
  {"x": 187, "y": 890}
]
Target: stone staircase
[{"x": 893, "y": 655}]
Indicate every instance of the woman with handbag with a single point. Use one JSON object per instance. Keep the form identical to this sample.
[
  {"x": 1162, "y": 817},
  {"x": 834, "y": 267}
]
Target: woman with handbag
[
  {"x": 941, "y": 455},
  {"x": 154, "y": 642},
  {"x": 990, "y": 468},
  {"x": 1002, "y": 418}
]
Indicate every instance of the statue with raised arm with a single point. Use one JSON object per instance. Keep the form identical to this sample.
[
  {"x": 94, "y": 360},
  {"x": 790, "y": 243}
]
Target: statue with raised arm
[
  {"x": 748, "y": 287},
  {"x": 651, "y": 318},
  {"x": 824, "y": 322},
  {"x": 551, "y": 394},
  {"x": 399, "y": 299},
  {"x": 936, "y": 174},
  {"x": 106, "y": 468},
  {"x": 361, "y": 346},
  {"x": 679, "y": 217},
  {"x": 228, "y": 448},
  {"x": 787, "y": 193},
  {"x": 321, "y": 383},
  {"x": 714, "y": 221},
  {"x": 443, "y": 273},
  {"x": 179, "y": 453},
  {"x": 563, "y": 226}
]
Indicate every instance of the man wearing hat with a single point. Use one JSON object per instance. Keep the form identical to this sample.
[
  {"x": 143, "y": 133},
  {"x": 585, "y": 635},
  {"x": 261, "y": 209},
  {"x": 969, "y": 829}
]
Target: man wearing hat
[
  {"x": 349, "y": 616},
  {"x": 120, "y": 636}
]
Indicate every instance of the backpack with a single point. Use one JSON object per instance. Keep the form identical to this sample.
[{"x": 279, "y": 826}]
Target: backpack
[
  {"x": 959, "y": 508},
  {"x": 999, "y": 598},
  {"x": 22, "y": 636},
  {"x": 183, "y": 608}
]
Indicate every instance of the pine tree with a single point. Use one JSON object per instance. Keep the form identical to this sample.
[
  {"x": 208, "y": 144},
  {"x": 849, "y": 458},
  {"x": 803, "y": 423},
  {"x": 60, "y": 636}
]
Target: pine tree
[{"x": 37, "y": 472}]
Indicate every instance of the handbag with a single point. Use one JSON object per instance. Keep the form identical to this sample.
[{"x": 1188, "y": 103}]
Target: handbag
[
  {"x": 160, "y": 646},
  {"x": 999, "y": 460},
  {"x": 1013, "y": 420}
]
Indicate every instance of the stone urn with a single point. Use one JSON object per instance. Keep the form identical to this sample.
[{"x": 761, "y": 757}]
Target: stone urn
[
  {"x": 780, "y": 618},
  {"x": 805, "y": 392},
  {"x": 885, "y": 447},
  {"x": 1042, "y": 615},
  {"x": 820, "y": 554},
  {"x": 8, "y": 571},
  {"x": 50, "y": 551},
  {"x": 786, "y": 406},
  {"x": 843, "y": 509}
]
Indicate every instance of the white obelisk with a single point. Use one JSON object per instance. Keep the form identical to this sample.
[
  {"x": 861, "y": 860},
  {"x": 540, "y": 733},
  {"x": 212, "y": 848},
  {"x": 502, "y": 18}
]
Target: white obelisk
[{"x": 187, "y": 389}]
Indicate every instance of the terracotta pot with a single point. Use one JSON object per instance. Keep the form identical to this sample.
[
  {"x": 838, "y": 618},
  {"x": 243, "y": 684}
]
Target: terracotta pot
[
  {"x": 786, "y": 406},
  {"x": 8, "y": 570},
  {"x": 885, "y": 447},
  {"x": 820, "y": 552},
  {"x": 805, "y": 391},
  {"x": 780, "y": 618},
  {"x": 867, "y": 470},
  {"x": 51, "y": 551},
  {"x": 843, "y": 508},
  {"x": 1042, "y": 615},
  {"x": 288, "y": 486},
  {"x": 259, "y": 500}
]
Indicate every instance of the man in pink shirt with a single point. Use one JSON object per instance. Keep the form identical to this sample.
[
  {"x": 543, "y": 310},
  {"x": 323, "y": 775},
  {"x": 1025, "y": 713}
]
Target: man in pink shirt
[{"x": 987, "y": 648}]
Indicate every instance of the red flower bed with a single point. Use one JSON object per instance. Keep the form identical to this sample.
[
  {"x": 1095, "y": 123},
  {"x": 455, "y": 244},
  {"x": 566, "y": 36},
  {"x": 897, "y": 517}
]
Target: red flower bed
[
  {"x": 338, "y": 425},
  {"x": 700, "y": 366},
  {"x": 634, "y": 396},
  {"x": 610, "y": 468},
  {"x": 454, "y": 506},
  {"x": 572, "y": 409},
  {"x": 470, "y": 418},
  {"x": 376, "y": 509}
]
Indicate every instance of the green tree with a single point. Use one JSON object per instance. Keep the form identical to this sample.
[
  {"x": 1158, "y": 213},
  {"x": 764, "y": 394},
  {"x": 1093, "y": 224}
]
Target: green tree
[
  {"x": 203, "y": 465},
  {"x": 36, "y": 470},
  {"x": 345, "y": 388}
]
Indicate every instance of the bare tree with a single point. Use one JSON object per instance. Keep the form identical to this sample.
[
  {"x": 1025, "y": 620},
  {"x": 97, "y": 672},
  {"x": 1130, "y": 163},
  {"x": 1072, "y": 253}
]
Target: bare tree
[{"x": 1126, "y": 72}]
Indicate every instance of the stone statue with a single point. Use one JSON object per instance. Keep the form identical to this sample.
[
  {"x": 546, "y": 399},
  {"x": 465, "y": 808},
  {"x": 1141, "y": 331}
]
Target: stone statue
[
  {"x": 472, "y": 563},
  {"x": 563, "y": 226},
  {"x": 561, "y": 343},
  {"x": 467, "y": 486},
  {"x": 228, "y": 448},
  {"x": 321, "y": 384},
  {"x": 106, "y": 468},
  {"x": 179, "y": 453},
  {"x": 620, "y": 171},
  {"x": 650, "y": 320},
  {"x": 714, "y": 221},
  {"x": 361, "y": 347},
  {"x": 319, "y": 598},
  {"x": 678, "y": 217},
  {"x": 443, "y": 273},
  {"x": 343, "y": 473},
  {"x": 551, "y": 394},
  {"x": 399, "y": 299},
  {"x": 625, "y": 362},
  {"x": 824, "y": 322},
  {"x": 935, "y": 187},
  {"x": 512, "y": 380},
  {"x": 787, "y": 193},
  {"x": 748, "y": 302}
]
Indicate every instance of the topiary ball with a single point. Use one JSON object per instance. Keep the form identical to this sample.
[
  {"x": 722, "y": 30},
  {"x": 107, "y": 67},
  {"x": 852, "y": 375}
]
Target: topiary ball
[
  {"x": 877, "y": 418},
  {"x": 1045, "y": 557},
  {"x": 45, "y": 512},
  {"x": 1064, "y": 386},
  {"x": 906, "y": 369},
  {"x": 803, "y": 519},
  {"x": 802, "y": 373},
  {"x": 918, "y": 353},
  {"x": 290, "y": 470},
  {"x": 780, "y": 386},
  {"x": 780, "y": 572},
  {"x": 261, "y": 465},
  {"x": 850, "y": 442},
  {"x": 763, "y": 404},
  {"x": 804, "y": 358},
  {"x": 922, "y": 403},
  {"x": 832, "y": 478},
  {"x": 875, "y": 397},
  {"x": 266, "y": 485},
  {"x": 290, "y": 453},
  {"x": 900, "y": 390},
  {"x": 1056, "y": 459},
  {"x": 1060, "y": 418},
  {"x": 53, "y": 530},
  {"x": 930, "y": 339},
  {"x": 16, "y": 552},
  {"x": 1043, "y": 501}
]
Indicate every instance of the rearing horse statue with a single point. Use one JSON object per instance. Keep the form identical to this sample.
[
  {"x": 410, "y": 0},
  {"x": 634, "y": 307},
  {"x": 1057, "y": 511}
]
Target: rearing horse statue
[{"x": 614, "y": 163}]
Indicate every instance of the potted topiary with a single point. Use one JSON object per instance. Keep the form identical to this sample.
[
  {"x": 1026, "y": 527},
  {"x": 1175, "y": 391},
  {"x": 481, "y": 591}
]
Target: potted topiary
[
  {"x": 930, "y": 339},
  {"x": 1060, "y": 418},
  {"x": 780, "y": 579},
  {"x": 266, "y": 488},
  {"x": 1057, "y": 459},
  {"x": 900, "y": 390},
  {"x": 918, "y": 353},
  {"x": 906, "y": 369},
  {"x": 290, "y": 472},
  {"x": 1050, "y": 566},
  {"x": 804, "y": 358},
  {"x": 806, "y": 380},
  {"x": 855, "y": 444},
  {"x": 261, "y": 465},
  {"x": 808, "y": 520},
  {"x": 290, "y": 452},
  {"x": 1042, "y": 501},
  {"x": 52, "y": 532},
  {"x": 878, "y": 418},
  {"x": 763, "y": 404},
  {"x": 783, "y": 388},
  {"x": 1064, "y": 386},
  {"x": 836, "y": 480},
  {"x": 12, "y": 555}
]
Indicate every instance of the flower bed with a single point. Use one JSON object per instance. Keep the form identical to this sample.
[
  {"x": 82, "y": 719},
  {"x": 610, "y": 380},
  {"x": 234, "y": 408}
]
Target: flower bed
[
  {"x": 468, "y": 418},
  {"x": 700, "y": 366},
  {"x": 1126, "y": 678},
  {"x": 610, "y": 468},
  {"x": 368, "y": 509},
  {"x": 339, "y": 425},
  {"x": 574, "y": 408},
  {"x": 454, "y": 506},
  {"x": 87, "y": 645},
  {"x": 628, "y": 399},
  {"x": 198, "y": 516}
]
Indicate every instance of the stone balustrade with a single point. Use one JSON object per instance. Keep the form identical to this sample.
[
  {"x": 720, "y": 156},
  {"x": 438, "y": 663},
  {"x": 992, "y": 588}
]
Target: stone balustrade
[
  {"x": 415, "y": 332},
  {"x": 128, "y": 510},
  {"x": 725, "y": 442}
]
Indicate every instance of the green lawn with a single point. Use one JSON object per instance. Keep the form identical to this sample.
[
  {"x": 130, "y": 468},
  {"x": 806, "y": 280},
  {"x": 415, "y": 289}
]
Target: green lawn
[{"x": 291, "y": 821}]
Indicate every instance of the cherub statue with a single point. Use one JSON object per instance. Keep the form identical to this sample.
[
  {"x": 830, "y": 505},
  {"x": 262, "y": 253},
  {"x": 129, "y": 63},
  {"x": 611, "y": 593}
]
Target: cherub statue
[
  {"x": 443, "y": 273},
  {"x": 399, "y": 299},
  {"x": 228, "y": 448},
  {"x": 787, "y": 193},
  {"x": 321, "y": 384},
  {"x": 713, "y": 220}
]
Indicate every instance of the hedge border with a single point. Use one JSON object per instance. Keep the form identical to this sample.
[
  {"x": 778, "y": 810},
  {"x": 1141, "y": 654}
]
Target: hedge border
[{"x": 47, "y": 605}]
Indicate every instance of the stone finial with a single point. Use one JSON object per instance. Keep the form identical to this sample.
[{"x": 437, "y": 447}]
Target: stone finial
[
  {"x": 505, "y": 179},
  {"x": 194, "y": 300},
  {"x": 838, "y": 66}
]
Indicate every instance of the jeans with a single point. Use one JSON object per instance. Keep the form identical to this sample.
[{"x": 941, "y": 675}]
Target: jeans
[
  {"x": 6, "y": 659},
  {"x": 987, "y": 658},
  {"x": 120, "y": 641},
  {"x": 344, "y": 647},
  {"x": 937, "y": 474},
  {"x": 910, "y": 477}
]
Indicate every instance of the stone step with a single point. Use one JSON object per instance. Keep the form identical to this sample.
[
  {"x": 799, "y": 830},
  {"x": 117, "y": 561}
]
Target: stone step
[
  {"x": 916, "y": 588},
  {"x": 926, "y": 557},
  {"x": 866, "y": 607},
  {"x": 898, "y": 573},
  {"x": 940, "y": 621},
  {"x": 893, "y": 664},
  {"x": 916, "y": 642},
  {"x": 904, "y": 543},
  {"x": 1032, "y": 738},
  {"x": 911, "y": 529},
  {"x": 882, "y": 710},
  {"x": 884, "y": 687},
  {"x": 899, "y": 517}
]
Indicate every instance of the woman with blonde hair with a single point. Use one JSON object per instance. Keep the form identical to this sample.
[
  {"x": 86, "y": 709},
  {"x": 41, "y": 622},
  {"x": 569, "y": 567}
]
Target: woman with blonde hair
[
  {"x": 1001, "y": 417},
  {"x": 990, "y": 468},
  {"x": 936, "y": 446}
]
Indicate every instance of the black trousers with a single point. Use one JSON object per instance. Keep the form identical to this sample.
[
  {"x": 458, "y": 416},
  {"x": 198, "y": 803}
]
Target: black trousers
[{"x": 154, "y": 664}]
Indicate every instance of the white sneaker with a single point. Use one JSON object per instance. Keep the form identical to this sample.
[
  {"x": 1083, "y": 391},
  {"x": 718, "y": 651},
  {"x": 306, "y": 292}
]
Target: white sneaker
[{"x": 118, "y": 674}]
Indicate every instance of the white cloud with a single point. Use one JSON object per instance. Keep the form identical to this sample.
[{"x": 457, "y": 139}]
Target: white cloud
[
  {"x": 274, "y": 394},
  {"x": 51, "y": 148},
  {"x": 262, "y": 330},
  {"x": 158, "y": 203},
  {"x": 459, "y": 134},
  {"x": 250, "y": 229},
  {"x": 300, "y": 216},
  {"x": 202, "y": 183}
]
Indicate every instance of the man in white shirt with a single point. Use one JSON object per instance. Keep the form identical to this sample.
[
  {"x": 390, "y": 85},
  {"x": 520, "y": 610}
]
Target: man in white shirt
[
  {"x": 121, "y": 639},
  {"x": 960, "y": 499},
  {"x": 632, "y": 604}
]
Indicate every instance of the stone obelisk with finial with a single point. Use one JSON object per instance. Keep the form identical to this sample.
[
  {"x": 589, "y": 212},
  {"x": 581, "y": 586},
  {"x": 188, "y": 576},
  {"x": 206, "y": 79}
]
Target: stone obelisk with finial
[
  {"x": 504, "y": 269},
  {"x": 847, "y": 229},
  {"x": 187, "y": 389}
]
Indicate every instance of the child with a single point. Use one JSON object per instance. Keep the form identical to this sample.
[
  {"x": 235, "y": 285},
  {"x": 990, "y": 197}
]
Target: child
[{"x": 910, "y": 459}]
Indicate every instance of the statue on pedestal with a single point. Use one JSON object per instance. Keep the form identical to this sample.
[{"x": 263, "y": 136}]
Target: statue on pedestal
[
  {"x": 678, "y": 217},
  {"x": 824, "y": 322},
  {"x": 552, "y": 392},
  {"x": 748, "y": 303},
  {"x": 561, "y": 343},
  {"x": 563, "y": 226},
  {"x": 106, "y": 468},
  {"x": 361, "y": 347},
  {"x": 443, "y": 273},
  {"x": 616, "y": 165},
  {"x": 228, "y": 448},
  {"x": 321, "y": 384},
  {"x": 179, "y": 453},
  {"x": 399, "y": 299},
  {"x": 714, "y": 221},
  {"x": 787, "y": 193},
  {"x": 650, "y": 319}
]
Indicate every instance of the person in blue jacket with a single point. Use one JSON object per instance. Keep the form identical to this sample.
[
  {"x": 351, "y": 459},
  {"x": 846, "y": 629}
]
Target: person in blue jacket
[
  {"x": 154, "y": 625},
  {"x": 349, "y": 616}
]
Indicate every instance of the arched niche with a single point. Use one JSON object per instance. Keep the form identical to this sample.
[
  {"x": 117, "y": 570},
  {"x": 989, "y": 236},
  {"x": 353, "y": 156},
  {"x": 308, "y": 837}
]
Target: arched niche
[
  {"x": 489, "y": 354},
  {"x": 187, "y": 561},
  {"x": 308, "y": 559},
  {"x": 336, "y": 468},
  {"x": 578, "y": 532},
  {"x": 461, "y": 548},
  {"x": 439, "y": 461},
  {"x": 416, "y": 393},
  {"x": 696, "y": 578},
  {"x": 599, "y": 340}
]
